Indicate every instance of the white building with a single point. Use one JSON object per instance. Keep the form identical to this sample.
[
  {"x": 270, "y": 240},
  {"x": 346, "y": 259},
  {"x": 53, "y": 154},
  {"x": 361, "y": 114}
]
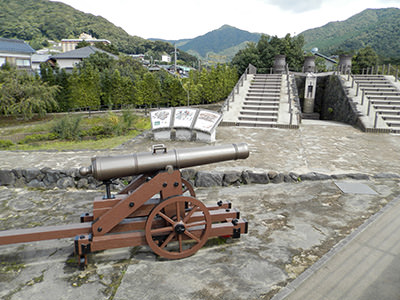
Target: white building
[{"x": 70, "y": 44}]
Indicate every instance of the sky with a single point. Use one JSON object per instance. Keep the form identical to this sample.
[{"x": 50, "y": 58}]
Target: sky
[{"x": 179, "y": 19}]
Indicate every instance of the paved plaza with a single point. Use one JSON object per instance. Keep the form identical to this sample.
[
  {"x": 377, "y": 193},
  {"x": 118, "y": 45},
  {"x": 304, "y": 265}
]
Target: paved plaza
[{"x": 327, "y": 239}]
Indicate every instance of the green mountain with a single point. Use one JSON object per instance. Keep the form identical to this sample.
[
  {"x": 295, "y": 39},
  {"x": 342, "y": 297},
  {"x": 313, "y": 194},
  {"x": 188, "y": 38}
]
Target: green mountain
[
  {"x": 378, "y": 28},
  {"x": 218, "y": 45},
  {"x": 37, "y": 21}
]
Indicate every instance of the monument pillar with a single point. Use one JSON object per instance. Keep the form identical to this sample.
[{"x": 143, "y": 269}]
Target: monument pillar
[
  {"x": 345, "y": 63},
  {"x": 280, "y": 64},
  {"x": 309, "y": 93},
  {"x": 309, "y": 64}
]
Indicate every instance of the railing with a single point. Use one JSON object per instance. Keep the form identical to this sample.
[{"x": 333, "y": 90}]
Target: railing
[
  {"x": 382, "y": 70},
  {"x": 296, "y": 99},
  {"x": 231, "y": 97}
]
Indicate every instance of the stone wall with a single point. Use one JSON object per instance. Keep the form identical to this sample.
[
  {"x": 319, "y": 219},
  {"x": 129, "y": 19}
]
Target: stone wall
[
  {"x": 47, "y": 178},
  {"x": 336, "y": 106},
  {"x": 331, "y": 101}
]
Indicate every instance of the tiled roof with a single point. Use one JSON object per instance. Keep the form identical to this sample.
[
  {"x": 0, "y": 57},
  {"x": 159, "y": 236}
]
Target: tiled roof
[
  {"x": 81, "y": 53},
  {"x": 15, "y": 46}
]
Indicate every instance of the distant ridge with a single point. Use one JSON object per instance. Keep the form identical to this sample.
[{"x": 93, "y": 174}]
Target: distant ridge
[
  {"x": 378, "y": 28},
  {"x": 223, "y": 42}
]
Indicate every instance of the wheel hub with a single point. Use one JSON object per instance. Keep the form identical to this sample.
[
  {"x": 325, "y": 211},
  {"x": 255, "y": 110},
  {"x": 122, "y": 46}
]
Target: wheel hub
[{"x": 180, "y": 228}]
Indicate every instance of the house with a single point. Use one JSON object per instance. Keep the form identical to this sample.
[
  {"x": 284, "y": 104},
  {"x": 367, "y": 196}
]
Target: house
[
  {"x": 70, "y": 44},
  {"x": 68, "y": 60},
  {"x": 37, "y": 59},
  {"x": 166, "y": 58},
  {"x": 330, "y": 63},
  {"x": 16, "y": 52}
]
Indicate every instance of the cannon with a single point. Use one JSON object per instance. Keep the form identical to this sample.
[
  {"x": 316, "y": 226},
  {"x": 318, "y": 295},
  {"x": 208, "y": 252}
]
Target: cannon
[{"x": 157, "y": 208}]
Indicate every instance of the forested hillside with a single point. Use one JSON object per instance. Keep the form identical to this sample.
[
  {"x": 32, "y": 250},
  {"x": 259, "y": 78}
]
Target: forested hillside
[
  {"x": 37, "y": 21},
  {"x": 378, "y": 28}
]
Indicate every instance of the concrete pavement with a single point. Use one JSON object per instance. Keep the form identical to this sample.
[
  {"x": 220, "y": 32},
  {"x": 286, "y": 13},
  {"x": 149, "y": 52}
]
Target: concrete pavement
[
  {"x": 291, "y": 226},
  {"x": 364, "y": 266}
]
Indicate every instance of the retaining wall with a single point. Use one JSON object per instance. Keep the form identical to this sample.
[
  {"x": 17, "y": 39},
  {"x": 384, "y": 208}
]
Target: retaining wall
[{"x": 47, "y": 178}]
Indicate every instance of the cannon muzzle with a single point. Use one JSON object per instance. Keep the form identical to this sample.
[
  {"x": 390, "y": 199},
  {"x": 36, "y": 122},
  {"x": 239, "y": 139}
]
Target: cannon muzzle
[{"x": 108, "y": 167}]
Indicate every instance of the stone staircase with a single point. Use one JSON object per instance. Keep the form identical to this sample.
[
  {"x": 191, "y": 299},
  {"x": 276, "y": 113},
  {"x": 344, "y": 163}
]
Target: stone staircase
[
  {"x": 378, "y": 98},
  {"x": 261, "y": 105},
  {"x": 262, "y": 102}
]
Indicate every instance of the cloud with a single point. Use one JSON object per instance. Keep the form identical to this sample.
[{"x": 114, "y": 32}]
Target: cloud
[{"x": 297, "y": 6}]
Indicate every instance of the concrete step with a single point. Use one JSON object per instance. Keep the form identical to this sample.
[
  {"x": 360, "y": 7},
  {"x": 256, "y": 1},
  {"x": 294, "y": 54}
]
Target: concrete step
[
  {"x": 393, "y": 93},
  {"x": 261, "y": 103},
  {"x": 266, "y": 94},
  {"x": 369, "y": 77},
  {"x": 263, "y": 90},
  {"x": 374, "y": 85},
  {"x": 380, "y": 90},
  {"x": 260, "y": 108},
  {"x": 391, "y": 118},
  {"x": 393, "y": 124},
  {"x": 386, "y": 107},
  {"x": 384, "y": 98},
  {"x": 265, "y": 98},
  {"x": 256, "y": 124},
  {"x": 385, "y": 102},
  {"x": 258, "y": 113},
  {"x": 258, "y": 118},
  {"x": 266, "y": 86},
  {"x": 389, "y": 112}
]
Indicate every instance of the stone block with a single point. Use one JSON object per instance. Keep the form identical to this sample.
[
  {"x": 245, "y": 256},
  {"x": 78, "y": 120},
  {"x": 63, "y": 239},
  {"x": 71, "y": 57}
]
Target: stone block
[
  {"x": 65, "y": 182},
  {"x": 232, "y": 178},
  {"x": 275, "y": 177},
  {"x": 250, "y": 177},
  {"x": 314, "y": 176},
  {"x": 7, "y": 177},
  {"x": 205, "y": 179},
  {"x": 31, "y": 173},
  {"x": 188, "y": 174}
]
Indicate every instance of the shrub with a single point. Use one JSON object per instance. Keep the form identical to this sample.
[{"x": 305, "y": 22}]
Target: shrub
[
  {"x": 38, "y": 137},
  {"x": 68, "y": 128},
  {"x": 6, "y": 144}
]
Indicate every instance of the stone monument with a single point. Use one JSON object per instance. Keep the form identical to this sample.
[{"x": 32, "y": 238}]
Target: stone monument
[
  {"x": 309, "y": 64},
  {"x": 309, "y": 93},
  {"x": 185, "y": 124},
  {"x": 345, "y": 63},
  {"x": 280, "y": 64}
]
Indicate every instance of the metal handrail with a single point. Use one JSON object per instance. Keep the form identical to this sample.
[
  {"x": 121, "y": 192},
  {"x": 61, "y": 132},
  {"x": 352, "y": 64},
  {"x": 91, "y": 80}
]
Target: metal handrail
[{"x": 237, "y": 88}]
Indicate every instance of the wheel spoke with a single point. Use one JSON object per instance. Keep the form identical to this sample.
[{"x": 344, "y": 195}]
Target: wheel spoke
[
  {"x": 192, "y": 236},
  {"x": 178, "y": 211},
  {"x": 189, "y": 215},
  {"x": 166, "y": 218},
  {"x": 169, "y": 238},
  {"x": 200, "y": 223},
  {"x": 162, "y": 230},
  {"x": 180, "y": 242}
]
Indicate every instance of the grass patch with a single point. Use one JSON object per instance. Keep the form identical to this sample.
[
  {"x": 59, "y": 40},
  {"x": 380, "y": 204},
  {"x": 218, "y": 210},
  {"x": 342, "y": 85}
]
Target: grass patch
[{"x": 68, "y": 132}]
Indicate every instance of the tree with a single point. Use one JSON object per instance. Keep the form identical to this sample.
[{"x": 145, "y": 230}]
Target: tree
[
  {"x": 148, "y": 91},
  {"x": 84, "y": 87},
  {"x": 262, "y": 54},
  {"x": 23, "y": 94},
  {"x": 365, "y": 58}
]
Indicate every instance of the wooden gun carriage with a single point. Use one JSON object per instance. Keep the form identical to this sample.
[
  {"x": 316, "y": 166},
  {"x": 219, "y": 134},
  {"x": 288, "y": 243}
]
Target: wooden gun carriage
[{"x": 158, "y": 208}]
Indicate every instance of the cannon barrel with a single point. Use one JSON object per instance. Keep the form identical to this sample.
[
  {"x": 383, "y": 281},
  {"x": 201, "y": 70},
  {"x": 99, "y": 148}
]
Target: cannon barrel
[{"x": 108, "y": 167}]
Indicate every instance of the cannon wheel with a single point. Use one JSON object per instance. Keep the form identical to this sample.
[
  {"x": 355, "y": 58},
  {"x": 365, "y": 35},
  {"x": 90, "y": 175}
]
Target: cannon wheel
[
  {"x": 187, "y": 187},
  {"x": 181, "y": 235}
]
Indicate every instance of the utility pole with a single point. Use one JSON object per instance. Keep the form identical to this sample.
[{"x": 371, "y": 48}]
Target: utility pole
[{"x": 175, "y": 56}]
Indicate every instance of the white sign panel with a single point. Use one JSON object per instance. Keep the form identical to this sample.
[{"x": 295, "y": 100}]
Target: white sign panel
[
  {"x": 184, "y": 117},
  {"x": 161, "y": 118},
  {"x": 207, "y": 120}
]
